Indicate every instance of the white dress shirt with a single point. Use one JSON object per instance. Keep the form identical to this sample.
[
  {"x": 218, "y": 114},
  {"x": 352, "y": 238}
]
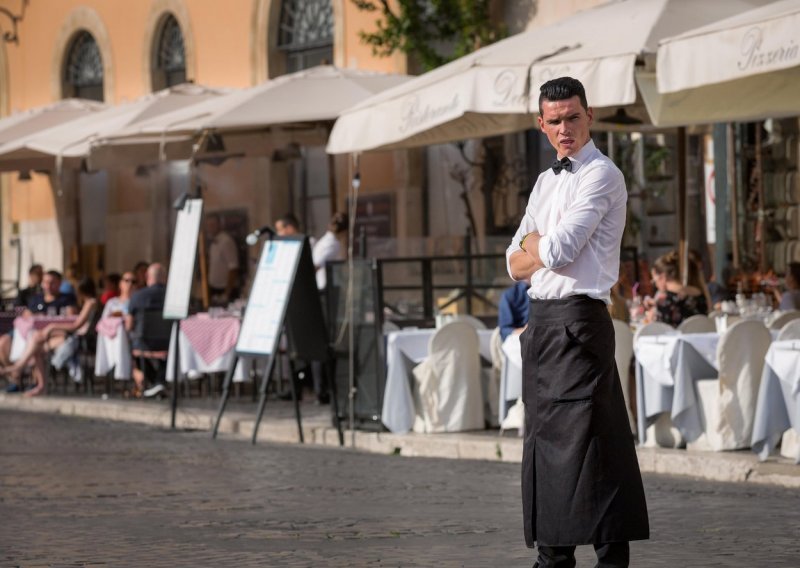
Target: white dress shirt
[
  {"x": 326, "y": 248},
  {"x": 581, "y": 216}
]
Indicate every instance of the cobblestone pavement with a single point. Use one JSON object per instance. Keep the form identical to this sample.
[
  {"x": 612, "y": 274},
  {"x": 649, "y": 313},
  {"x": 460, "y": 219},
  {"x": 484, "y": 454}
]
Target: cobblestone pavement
[{"x": 76, "y": 492}]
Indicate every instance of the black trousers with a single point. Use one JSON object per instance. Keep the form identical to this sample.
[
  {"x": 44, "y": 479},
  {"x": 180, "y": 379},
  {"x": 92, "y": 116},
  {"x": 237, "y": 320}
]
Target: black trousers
[{"x": 609, "y": 555}]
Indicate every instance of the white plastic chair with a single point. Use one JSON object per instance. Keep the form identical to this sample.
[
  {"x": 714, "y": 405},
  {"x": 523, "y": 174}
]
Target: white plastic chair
[
  {"x": 661, "y": 433},
  {"x": 728, "y": 403},
  {"x": 790, "y": 331},
  {"x": 623, "y": 353},
  {"x": 447, "y": 384},
  {"x": 783, "y": 319},
  {"x": 697, "y": 324},
  {"x": 471, "y": 320}
]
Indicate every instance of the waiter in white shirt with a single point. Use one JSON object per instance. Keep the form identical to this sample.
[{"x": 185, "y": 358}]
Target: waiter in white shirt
[
  {"x": 580, "y": 476},
  {"x": 223, "y": 262}
]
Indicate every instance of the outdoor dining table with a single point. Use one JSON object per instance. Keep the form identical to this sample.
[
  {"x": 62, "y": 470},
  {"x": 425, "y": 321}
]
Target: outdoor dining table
[
  {"x": 404, "y": 349},
  {"x": 26, "y": 324},
  {"x": 666, "y": 368},
  {"x": 778, "y": 404},
  {"x": 113, "y": 349},
  {"x": 206, "y": 345}
]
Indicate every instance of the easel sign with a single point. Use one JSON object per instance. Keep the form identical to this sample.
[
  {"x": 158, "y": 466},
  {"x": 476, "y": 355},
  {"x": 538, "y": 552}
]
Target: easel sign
[
  {"x": 284, "y": 292},
  {"x": 181, "y": 264},
  {"x": 269, "y": 297}
]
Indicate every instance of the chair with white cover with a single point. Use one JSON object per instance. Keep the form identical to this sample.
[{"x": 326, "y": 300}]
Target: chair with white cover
[
  {"x": 661, "y": 433},
  {"x": 783, "y": 319},
  {"x": 471, "y": 320},
  {"x": 790, "y": 331},
  {"x": 697, "y": 324},
  {"x": 447, "y": 384},
  {"x": 623, "y": 353},
  {"x": 492, "y": 379},
  {"x": 728, "y": 404}
]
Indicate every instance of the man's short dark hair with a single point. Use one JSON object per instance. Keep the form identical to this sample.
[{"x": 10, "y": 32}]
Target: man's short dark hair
[
  {"x": 562, "y": 89},
  {"x": 289, "y": 220},
  {"x": 54, "y": 274},
  {"x": 35, "y": 268}
]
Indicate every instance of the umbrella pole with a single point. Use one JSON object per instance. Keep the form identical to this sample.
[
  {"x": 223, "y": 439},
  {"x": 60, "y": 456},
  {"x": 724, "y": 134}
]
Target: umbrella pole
[
  {"x": 683, "y": 237},
  {"x": 731, "y": 140}
]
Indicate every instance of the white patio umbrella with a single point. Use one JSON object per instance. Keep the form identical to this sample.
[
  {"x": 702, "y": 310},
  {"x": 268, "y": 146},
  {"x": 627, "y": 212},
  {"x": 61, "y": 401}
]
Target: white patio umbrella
[
  {"x": 25, "y": 123},
  {"x": 495, "y": 89},
  {"x": 67, "y": 144},
  {"x": 746, "y": 67},
  {"x": 298, "y": 107}
]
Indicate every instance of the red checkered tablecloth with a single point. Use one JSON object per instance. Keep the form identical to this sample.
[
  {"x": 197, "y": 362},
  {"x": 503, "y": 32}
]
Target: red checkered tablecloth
[{"x": 211, "y": 337}]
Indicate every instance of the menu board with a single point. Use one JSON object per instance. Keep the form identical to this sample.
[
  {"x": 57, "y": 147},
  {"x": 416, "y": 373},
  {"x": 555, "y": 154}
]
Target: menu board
[
  {"x": 181, "y": 265},
  {"x": 269, "y": 296}
]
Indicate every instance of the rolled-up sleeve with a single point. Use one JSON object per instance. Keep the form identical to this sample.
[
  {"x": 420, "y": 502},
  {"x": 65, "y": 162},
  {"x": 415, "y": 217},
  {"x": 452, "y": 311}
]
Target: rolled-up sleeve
[{"x": 601, "y": 188}]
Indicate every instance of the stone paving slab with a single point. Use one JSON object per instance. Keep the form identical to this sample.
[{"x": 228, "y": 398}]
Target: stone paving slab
[
  {"x": 83, "y": 492},
  {"x": 279, "y": 426}
]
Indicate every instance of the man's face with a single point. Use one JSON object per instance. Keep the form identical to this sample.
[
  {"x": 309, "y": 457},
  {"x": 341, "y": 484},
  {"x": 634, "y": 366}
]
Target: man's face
[
  {"x": 566, "y": 124},
  {"x": 50, "y": 284},
  {"x": 35, "y": 277},
  {"x": 284, "y": 229}
]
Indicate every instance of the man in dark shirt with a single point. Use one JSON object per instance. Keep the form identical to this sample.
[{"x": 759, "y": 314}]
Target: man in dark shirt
[
  {"x": 513, "y": 309},
  {"x": 150, "y": 298},
  {"x": 51, "y": 301},
  {"x": 34, "y": 286}
]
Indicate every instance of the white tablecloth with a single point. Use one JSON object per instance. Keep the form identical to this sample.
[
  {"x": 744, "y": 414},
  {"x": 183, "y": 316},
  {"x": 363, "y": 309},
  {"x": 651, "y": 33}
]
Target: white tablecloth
[
  {"x": 511, "y": 379},
  {"x": 666, "y": 368},
  {"x": 778, "y": 406},
  {"x": 113, "y": 353},
  {"x": 404, "y": 349}
]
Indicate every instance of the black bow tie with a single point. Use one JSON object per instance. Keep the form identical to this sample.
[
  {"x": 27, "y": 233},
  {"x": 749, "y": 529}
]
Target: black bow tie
[{"x": 562, "y": 164}]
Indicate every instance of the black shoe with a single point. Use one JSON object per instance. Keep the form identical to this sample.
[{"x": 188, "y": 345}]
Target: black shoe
[{"x": 323, "y": 399}]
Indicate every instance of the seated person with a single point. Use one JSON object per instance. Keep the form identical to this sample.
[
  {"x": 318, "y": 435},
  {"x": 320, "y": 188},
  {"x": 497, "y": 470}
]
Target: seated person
[
  {"x": 35, "y": 274},
  {"x": 673, "y": 302},
  {"x": 110, "y": 288},
  {"x": 44, "y": 341},
  {"x": 790, "y": 299},
  {"x": 150, "y": 298},
  {"x": 51, "y": 299},
  {"x": 512, "y": 316},
  {"x": 118, "y": 305}
]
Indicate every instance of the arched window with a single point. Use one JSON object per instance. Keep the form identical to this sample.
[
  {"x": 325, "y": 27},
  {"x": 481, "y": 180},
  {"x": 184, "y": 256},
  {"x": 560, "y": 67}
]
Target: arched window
[
  {"x": 306, "y": 33},
  {"x": 83, "y": 69},
  {"x": 169, "y": 55}
]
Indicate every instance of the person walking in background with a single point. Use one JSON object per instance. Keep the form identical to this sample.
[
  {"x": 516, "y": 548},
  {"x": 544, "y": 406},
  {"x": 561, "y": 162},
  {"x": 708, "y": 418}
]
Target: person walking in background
[
  {"x": 140, "y": 272},
  {"x": 580, "y": 475},
  {"x": 329, "y": 246},
  {"x": 287, "y": 226},
  {"x": 223, "y": 262}
]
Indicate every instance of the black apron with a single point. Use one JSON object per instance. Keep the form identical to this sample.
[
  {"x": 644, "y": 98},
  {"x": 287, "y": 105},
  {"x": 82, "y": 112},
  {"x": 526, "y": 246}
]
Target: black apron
[{"x": 580, "y": 476}]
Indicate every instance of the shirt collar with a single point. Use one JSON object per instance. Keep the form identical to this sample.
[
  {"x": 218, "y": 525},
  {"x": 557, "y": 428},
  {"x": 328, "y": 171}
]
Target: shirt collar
[{"x": 583, "y": 155}]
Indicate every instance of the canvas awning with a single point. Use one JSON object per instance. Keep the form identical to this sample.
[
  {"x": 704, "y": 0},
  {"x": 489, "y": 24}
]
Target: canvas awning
[
  {"x": 495, "y": 89},
  {"x": 746, "y": 67},
  {"x": 298, "y": 107},
  {"x": 67, "y": 144}
]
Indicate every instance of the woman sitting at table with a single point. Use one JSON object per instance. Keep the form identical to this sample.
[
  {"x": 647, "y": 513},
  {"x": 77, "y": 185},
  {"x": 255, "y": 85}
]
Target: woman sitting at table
[
  {"x": 118, "y": 305},
  {"x": 46, "y": 340},
  {"x": 673, "y": 302}
]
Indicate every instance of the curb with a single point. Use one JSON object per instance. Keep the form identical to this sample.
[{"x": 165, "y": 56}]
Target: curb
[{"x": 739, "y": 467}]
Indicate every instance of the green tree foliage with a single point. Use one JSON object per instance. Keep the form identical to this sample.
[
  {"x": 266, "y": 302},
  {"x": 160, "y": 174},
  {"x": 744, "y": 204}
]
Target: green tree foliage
[{"x": 433, "y": 31}]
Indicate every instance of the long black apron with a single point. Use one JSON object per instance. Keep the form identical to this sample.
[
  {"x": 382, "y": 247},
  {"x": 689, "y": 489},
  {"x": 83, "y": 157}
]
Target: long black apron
[{"x": 580, "y": 476}]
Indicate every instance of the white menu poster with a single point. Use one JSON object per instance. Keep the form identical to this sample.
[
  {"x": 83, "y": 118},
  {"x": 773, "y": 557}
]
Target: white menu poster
[
  {"x": 181, "y": 264},
  {"x": 269, "y": 296}
]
